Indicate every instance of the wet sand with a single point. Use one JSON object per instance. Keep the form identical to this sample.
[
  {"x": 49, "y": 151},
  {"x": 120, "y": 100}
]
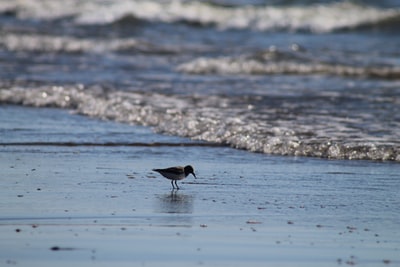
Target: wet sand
[{"x": 101, "y": 205}]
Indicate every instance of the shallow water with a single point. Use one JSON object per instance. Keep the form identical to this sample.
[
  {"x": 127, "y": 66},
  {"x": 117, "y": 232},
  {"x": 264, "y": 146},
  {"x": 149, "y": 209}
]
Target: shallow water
[
  {"x": 305, "y": 78},
  {"x": 100, "y": 204}
]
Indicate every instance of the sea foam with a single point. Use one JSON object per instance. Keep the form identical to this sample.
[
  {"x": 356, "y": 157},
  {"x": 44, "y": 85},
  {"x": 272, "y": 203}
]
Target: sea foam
[
  {"x": 316, "y": 18},
  {"x": 223, "y": 120}
]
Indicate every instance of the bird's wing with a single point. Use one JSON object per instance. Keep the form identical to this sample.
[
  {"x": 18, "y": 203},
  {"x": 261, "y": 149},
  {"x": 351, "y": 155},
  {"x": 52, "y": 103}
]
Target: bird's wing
[{"x": 174, "y": 170}]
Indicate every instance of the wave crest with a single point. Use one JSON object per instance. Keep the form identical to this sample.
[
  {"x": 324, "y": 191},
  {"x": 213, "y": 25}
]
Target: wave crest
[
  {"x": 314, "y": 18},
  {"x": 48, "y": 43},
  {"x": 261, "y": 65},
  {"x": 220, "y": 120}
]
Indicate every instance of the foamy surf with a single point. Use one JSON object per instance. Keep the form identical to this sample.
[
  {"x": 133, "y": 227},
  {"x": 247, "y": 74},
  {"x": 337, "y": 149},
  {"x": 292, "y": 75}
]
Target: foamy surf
[
  {"x": 255, "y": 77},
  {"x": 227, "y": 121},
  {"x": 315, "y": 18},
  {"x": 259, "y": 65},
  {"x": 67, "y": 44}
]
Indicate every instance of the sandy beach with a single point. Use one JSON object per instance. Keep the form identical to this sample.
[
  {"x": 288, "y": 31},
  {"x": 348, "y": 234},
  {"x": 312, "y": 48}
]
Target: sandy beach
[
  {"x": 289, "y": 112},
  {"x": 102, "y": 205}
]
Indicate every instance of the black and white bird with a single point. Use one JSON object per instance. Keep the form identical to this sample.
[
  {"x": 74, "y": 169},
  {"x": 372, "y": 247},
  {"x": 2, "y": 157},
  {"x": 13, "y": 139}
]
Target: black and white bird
[{"x": 176, "y": 173}]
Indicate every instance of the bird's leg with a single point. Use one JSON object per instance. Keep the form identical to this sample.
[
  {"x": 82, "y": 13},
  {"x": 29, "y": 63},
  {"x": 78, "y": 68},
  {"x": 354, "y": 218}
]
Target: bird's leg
[
  {"x": 172, "y": 183},
  {"x": 177, "y": 187}
]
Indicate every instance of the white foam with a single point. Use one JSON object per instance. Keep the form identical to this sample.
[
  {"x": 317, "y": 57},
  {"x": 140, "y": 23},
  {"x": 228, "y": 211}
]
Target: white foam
[
  {"x": 48, "y": 43},
  {"x": 316, "y": 18},
  {"x": 198, "y": 118},
  {"x": 256, "y": 66}
]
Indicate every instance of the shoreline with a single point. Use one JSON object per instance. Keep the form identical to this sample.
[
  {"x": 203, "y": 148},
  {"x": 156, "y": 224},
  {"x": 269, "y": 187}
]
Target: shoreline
[{"x": 102, "y": 205}]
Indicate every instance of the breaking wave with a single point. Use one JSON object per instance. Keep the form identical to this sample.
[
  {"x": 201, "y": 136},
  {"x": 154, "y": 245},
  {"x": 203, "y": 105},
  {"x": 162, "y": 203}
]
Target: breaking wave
[
  {"x": 315, "y": 18},
  {"x": 283, "y": 130},
  {"x": 274, "y": 62},
  {"x": 67, "y": 44}
]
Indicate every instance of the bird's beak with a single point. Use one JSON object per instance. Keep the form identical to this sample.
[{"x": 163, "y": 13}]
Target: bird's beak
[{"x": 194, "y": 175}]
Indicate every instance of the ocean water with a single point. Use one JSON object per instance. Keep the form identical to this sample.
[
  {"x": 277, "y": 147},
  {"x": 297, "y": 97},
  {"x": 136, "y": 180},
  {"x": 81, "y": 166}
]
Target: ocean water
[
  {"x": 65, "y": 204},
  {"x": 302, "y": 77}
]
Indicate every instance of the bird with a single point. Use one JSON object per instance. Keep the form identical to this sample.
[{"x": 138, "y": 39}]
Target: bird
[{"x": 176, "y": 173}]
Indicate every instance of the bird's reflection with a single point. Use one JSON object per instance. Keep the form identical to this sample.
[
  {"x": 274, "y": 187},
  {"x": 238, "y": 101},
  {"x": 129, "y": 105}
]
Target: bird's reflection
[
  {"x": 177, "y": 209},
  {"x": 174, "y": 202}
]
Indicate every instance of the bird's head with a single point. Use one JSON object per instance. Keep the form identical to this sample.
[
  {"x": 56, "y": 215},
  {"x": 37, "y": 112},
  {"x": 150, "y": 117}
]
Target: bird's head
[{"x": 189, "y": 170}]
